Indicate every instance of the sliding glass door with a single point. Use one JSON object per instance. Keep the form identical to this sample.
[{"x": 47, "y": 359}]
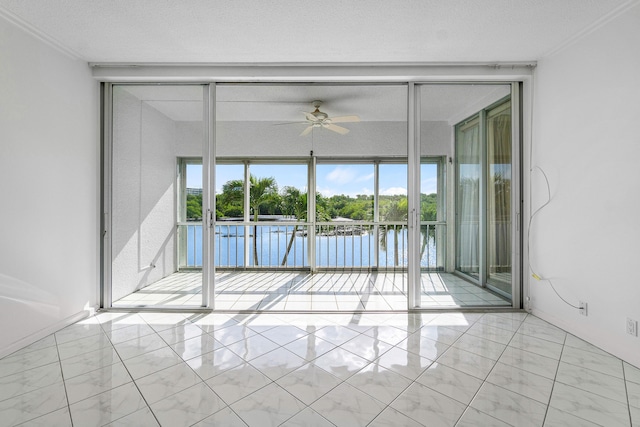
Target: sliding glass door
[
  {"x": 154, "y": 203},
  {"x": 484, "y": 205},
  {"x": 396, "y": 183},
  {"x": 318, "y": 203}
]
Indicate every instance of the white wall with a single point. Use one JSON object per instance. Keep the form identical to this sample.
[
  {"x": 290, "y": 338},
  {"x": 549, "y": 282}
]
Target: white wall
[
  {"x": 586, "y": 138},
  {"x": 265, "y": 139},
  {"x": 49, "y": 188},
  {"x": 144, "y": 194},
  {"x": 436, "y": 139}
]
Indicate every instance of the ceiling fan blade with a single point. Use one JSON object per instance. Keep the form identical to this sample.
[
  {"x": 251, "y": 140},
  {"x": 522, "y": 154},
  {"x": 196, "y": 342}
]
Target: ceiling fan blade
[
  {"x": 291, "y": 123},
  {"x": 345, "y": 119},
  {"x": 307, "y": 131},
  {"x": 339, "y": 129}
]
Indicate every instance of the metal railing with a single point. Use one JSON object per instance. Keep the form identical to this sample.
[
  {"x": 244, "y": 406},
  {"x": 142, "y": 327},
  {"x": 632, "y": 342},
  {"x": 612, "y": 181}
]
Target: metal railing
[
  {"x": 433, "y": 245},
  {"x": 338, "y": 245},
  {"x": 189, "y": 245},
  {"x": 263, "y": 244}
]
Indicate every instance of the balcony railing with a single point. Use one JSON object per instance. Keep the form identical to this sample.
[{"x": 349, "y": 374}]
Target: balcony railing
[{"x": 338, "y": 245}]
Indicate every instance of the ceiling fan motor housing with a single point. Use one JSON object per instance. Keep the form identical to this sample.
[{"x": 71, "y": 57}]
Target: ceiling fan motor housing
[
  {"x": 319, "y": 118},
  {"x": 319, "y": 115}
]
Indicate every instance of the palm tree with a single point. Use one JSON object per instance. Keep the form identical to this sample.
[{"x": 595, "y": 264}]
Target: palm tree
[
  {"x": 295, "y": 204},
  {"x": 396, "y": 210},
  {"x": 261, "y": 192},
  {"x": 428, "y": 212}
]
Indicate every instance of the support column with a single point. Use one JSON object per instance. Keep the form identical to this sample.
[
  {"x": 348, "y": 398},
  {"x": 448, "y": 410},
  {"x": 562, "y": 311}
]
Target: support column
[
  {"x": 247, "y": 214},
  {"x": 311, "y": 214},
  {"x": 413, "y": 193}
]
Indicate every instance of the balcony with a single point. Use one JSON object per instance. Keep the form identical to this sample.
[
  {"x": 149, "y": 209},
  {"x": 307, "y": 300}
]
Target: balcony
[{"x": 359, "y": 266}]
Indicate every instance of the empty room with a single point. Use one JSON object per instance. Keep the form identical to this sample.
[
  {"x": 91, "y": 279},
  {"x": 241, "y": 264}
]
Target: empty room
[{"x": 319, "y": 214}]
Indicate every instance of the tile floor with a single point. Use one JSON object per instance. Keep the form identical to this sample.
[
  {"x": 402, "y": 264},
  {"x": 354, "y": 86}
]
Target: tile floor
[
  {"x": 291, "y": 291},
  {"x": 365, "y": 369}
]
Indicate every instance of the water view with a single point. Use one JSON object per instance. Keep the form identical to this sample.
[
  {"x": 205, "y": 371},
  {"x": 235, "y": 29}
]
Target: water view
[{"x": 336, "y": 246}]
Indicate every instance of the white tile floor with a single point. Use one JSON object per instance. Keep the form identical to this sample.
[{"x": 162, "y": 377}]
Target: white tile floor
[
  {"x": 291, "y": 291},
  {"x": 375, "y": 369}
]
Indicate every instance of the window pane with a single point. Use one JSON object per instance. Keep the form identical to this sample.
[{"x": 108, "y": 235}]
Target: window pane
[
  {"x": 230, "y": 191},
  {"x": 393, "y": 209},
  {"x": 432, "y": 236},
  {"x": 156, "y": 127},
  {"x": 274, "y": 188},
  {"x": 345, "y": 192},
  {"x": 279, "y": 193},
  {"x": 193, "y": 189},
  {"x": 229, "y": 237}
]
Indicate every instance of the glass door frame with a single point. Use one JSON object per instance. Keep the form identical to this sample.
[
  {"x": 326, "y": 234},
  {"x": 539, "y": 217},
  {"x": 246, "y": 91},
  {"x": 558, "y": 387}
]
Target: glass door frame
[
  {"x": 209, "y": 199},
  {"x": 414, "y": 161},
  {"x": 516, "y": 199},
  {"x": 106, "y": 199}
]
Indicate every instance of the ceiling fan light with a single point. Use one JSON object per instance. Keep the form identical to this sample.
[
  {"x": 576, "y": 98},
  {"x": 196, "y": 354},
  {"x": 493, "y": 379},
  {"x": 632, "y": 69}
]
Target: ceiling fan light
[{"x": 319, "y": 115}]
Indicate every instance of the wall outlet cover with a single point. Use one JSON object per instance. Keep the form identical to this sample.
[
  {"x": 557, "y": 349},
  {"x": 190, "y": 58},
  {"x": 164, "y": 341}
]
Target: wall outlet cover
[
  {"x": 632, "y": 327},
  {"x": 583, "y": 308}
]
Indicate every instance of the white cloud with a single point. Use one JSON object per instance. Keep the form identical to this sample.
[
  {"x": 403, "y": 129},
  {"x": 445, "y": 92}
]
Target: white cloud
[
  {"x": 365, "y": 177},
  {"x": 393, "y": 191},
  {"x": 330, "y": 192},
  {"x": 326, "y": 192},
  {"x": 341, "y": 175}
]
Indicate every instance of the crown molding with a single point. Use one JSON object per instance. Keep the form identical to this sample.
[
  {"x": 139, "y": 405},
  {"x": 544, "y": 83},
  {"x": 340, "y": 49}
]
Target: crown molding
[
  {"x": 39, "y": 34},
  {"x": 316, "y": 72},
  {"x": 594, "y": 26}
]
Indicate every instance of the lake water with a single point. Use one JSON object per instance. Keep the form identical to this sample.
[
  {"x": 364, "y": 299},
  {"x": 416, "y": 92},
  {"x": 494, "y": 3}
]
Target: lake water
[{"x": 350, "y": 250}]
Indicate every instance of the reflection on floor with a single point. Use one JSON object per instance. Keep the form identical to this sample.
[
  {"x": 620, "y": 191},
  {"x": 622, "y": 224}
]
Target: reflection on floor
[
  {"x": 272, "y": 369},
  {"x": 299, "y": 291}
]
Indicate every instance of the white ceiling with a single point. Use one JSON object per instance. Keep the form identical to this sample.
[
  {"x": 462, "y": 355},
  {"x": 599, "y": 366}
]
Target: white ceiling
[
  {"x": 287, "y": 102},
  {"x": 298, "y": 31}
]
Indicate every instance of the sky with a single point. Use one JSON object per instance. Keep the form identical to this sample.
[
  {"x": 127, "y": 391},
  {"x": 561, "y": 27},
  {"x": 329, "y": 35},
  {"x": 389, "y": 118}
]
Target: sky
[{"x": 332, "y": 179}]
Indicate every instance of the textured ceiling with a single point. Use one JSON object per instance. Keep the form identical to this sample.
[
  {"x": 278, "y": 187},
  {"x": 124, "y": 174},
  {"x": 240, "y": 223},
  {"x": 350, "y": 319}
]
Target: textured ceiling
[
  {"x": 286, "y": 103},
  {"x": 297, "y": 31},
  {"x": 256, "y": 102}
]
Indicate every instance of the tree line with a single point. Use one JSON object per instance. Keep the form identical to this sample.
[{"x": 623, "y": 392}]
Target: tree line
[{"x": 266, "y": 198}]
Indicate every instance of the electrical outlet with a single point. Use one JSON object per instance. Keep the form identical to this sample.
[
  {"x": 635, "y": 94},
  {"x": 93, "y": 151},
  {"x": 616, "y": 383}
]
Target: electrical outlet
[
  {"x": 583, "y": 308},
  {"x": 632, "y": 327}
]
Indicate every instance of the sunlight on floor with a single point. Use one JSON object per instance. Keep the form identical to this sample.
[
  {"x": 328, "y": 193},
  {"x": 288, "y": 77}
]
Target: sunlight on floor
[{"x": 301, "y": 291}]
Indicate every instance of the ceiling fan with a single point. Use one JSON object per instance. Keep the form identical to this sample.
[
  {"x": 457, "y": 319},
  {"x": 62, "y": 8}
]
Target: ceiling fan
[{"x": 317, "y": 119}]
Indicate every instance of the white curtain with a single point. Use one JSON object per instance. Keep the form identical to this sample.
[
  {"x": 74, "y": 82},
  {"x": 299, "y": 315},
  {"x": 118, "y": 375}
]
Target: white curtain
[{"x": 468, "y": 195}]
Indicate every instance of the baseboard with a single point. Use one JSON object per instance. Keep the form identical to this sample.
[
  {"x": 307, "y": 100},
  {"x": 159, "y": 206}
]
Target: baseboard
[
  {"x": 598, "y": 338},
  {"x": 37, "y": 336}
]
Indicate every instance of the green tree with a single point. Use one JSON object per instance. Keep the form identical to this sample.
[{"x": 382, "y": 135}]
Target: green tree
[
  {"x": 262, "y": 191},
  {"x": 322, "y": 212},
  {"x": 231, "y": 202},
  {"x": 323, "y": 208},
  {"x": 428, "y": 212},
  {"x": 394, "y": 211},
  {"x": 294, "y": 203},
  {"x": 194, "y": 207}
]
